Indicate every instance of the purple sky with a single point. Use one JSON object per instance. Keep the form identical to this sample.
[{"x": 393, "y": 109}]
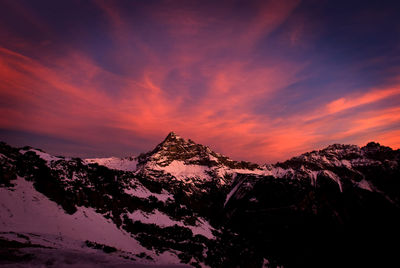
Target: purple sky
[{"x": 255, "y": 80}]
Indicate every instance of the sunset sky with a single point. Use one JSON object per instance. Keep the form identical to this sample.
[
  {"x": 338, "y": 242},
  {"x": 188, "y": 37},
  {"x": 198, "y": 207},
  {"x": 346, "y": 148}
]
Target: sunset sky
[{"x": 256, "y": 80}]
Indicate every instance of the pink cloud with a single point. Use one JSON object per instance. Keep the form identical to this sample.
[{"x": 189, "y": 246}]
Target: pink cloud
[
  {"x": 360, "y": 99},
  {"x": 72, "y": 95},
  {"x": 53, "y": 102}
]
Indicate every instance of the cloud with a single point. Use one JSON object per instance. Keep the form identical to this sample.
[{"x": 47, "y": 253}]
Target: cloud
[
  {"x": 389, "y": 138},
  {"x": 194, "y": 70},
  {"x": 360, "y": 99}
]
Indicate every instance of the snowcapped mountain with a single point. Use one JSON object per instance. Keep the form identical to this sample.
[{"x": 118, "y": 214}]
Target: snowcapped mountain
[
  {"x": 183, "y": 203},
  {"x": 74, "y": 206},
  {"x": 326, "y": 208},
  {"x": 345, "y": 167},
  {"x": 189, "y": 162},
  {"x": 179, "y": 159}
]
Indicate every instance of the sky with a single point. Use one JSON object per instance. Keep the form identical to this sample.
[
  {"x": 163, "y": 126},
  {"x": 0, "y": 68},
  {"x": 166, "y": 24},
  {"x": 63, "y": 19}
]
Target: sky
[{"x": 259, "y": 81}]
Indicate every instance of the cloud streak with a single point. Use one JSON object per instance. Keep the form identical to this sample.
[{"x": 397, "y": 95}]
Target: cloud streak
[{"x": 208, "y": 72}]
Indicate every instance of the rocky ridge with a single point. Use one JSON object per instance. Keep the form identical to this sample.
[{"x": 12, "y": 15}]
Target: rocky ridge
[{"x": 182, "y": 202}]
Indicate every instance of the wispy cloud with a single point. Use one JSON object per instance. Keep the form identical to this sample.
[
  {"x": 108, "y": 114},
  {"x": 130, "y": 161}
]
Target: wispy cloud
[
  {"x": 206, "y": 71},
  {"x": 360, "y": 99}
]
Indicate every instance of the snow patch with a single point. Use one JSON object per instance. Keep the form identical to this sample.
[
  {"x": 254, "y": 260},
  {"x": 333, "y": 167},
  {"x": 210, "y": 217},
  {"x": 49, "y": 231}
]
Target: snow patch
[
  {"x": 232, "y": 192},
  {"x": 23, "y": 209},
  {"x": 313, "y": 175},
  {"x": 163, "y": 220},
  {"x": 45, "y": 156},
  {"x": 346, "y": 163},
  {"x": 181, "y": 171},
  {"x": 334, "y": 177},
  {"x": 364, "y": 184},
  {"x": 124, "y": 164},
  {"x": 279, "y": 172},
  {"x": 142, "y": 192}
]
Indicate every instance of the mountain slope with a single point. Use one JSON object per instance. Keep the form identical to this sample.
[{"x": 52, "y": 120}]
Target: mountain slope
[
  {"x": 327, "y": 208},
  {"x": 91, "y": 204},
  {"x": 184, "y": 203},
  {"x": 189, "y": 162},
  {"x": 373, "y": 168},
  {"x": 24, "y": 210}
]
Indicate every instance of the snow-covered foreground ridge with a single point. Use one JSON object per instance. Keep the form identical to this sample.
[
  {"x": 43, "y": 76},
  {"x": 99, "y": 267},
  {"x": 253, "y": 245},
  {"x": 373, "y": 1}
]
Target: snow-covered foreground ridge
[
  {"x": 81, "y": 208},
  {"x": 25, "y": 210}
]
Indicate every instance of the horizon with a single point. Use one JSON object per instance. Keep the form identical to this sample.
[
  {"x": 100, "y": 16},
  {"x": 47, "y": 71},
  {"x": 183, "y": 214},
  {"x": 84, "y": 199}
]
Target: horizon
[
  {"x": 187, "y": 139},
  {"x": 258, "y": 81}
]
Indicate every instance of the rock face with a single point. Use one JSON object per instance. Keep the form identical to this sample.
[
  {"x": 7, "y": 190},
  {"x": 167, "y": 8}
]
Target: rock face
[
  {"x": 344, "y": 167},
  {"x": 189, "y": 162},
  {"x": 327, "y": 208},
  {"x": 184, "y": 203},
  {"x": 175, "y": 148}
]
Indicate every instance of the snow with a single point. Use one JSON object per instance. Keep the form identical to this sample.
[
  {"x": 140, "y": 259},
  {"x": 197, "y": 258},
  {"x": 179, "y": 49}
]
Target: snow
[
  {"x": 76, "y": 255},
  {"x": 364, "y": 162},
  {"x": 45, "y": 156},
  {"x": 142, "y": 192},
  {"x": 279, "y": 172},
  {"x": 181, "y": 171},
  {"x": 125, "y": 164},
  {"x": 346, "y": 163},
  {"x": 334, "y": 177},
  {"x": 232, "y": 192},
  {"x": 44, "y": 257},
  {"x": 2, "y": 156},
  {"x": 163, "y": 220},
  {"x": 313, "y": 175},
  {"x": 265, "y": 171},
  {"x": 26, "y": 210},
  {"x": 155, "y": 217},
  {"x": 364, "y": 184},
  {"x": 203, "y": 228},
  {"x": 248, "y": 171},
  {"x": 211, "y": 157},
  {"x": 265, "y": 263},
  {"x": 23, "y": 210},
  {"x": 324, "y": 159}
]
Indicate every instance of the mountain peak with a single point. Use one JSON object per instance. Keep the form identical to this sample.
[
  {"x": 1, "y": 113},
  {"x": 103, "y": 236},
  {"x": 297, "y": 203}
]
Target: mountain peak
[
  {"x": 172, "y": 136},
  {"x": 172, "y": 142},
  {"x": 176, "y": 148}
]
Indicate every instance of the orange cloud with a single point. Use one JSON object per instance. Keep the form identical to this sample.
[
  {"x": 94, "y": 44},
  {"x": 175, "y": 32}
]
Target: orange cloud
[
  {"x": 47, "y": 100},
  {"x": 44, "y": 100},
  {"x": 389, "y": 138},
  {"x": 355, "y": 101},
  {"x": 182, "y": 87}
]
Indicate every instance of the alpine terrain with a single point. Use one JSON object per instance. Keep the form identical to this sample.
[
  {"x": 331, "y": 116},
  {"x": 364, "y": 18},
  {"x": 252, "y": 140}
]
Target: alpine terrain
[{"x": 184, "y": 205}]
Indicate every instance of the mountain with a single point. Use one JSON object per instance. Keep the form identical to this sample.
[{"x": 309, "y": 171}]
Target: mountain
[
  {"x": 75, "y": 207},
  {"x": 344, "y": 167},
  {"x": 189, "y": 162},
  {"x": 184, "y": 204},
  {"x": 337, "y": 207}
]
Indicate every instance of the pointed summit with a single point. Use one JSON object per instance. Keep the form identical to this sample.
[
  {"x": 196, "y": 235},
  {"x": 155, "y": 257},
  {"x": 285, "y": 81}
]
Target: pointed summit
[
  {"x": 176, "y": 148},
  {"x": 172, "y": 143},
  {"x": 172, "y": 136}
]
